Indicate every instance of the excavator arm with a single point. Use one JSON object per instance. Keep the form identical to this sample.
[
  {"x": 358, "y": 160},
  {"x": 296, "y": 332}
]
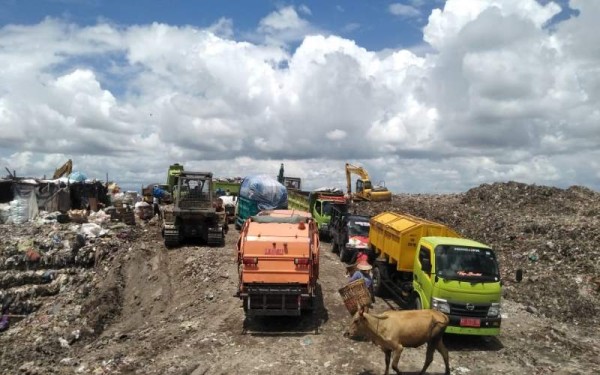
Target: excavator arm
[
  {"x": 360, "y": 171},
  {"x": 65, "y": 169}
]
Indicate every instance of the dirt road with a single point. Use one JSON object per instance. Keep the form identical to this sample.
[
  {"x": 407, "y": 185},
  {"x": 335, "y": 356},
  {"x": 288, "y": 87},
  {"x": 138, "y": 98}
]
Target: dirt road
[{"x": 174, "y": 312}]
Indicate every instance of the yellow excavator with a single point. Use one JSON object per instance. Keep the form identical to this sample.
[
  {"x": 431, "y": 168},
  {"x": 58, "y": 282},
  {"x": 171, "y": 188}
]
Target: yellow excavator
[
  {"x": 64, "y": 170},
  {"x": 364, "y": 188}
]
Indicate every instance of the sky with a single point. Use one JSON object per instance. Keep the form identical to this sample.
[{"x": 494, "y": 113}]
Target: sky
[{"x": 427, "y": 96}]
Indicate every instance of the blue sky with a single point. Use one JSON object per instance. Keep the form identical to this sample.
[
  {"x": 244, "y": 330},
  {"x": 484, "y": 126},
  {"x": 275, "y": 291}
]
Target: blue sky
[
  {"x": 429, "y": 96},
  {"x": 370, "y": 23}
]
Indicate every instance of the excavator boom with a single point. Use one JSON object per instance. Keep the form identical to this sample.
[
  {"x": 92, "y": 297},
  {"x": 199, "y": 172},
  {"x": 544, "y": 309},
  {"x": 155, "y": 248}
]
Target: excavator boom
[{"x": 65, "y": 169}]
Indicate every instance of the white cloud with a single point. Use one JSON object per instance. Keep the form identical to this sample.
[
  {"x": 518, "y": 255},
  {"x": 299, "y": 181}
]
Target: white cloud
[
  {"x": 350, "y": 27},
  {"x": 499, "y": 97},
  {"x": 336, "y": 135},
  {"x": 285, "y": 25},
  {"x": 223, "y": 28},
  {"x": 399, "y": 9},
  {"x": 304, "y": 9},
  {"x": 445, "y": 25}
]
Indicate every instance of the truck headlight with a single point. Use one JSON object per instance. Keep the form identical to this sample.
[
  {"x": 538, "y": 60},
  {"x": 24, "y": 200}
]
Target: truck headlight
[
  {"x": 494, "y": 310},
  {"x": 441, "y": 305}
]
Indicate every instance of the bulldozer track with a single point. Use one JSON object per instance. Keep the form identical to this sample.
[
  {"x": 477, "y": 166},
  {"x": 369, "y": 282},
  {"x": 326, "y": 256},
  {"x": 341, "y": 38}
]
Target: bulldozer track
[
  {"x": 171, "y": 237},
  {"x": 215, "y": 238}
]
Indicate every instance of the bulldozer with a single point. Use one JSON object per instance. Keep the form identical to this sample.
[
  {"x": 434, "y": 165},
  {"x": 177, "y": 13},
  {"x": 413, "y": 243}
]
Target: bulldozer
[
  {"x": 364, "y": 188},
  {"x": 192, "y": 214}
]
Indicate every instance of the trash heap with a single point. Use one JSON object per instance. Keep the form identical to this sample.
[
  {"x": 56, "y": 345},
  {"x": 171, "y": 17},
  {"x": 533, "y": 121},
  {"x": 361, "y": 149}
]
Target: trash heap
[{"x": 48, "y": 273}]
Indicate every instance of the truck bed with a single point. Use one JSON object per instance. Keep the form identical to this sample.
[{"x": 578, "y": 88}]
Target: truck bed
[{"x": 395, "y": 237}]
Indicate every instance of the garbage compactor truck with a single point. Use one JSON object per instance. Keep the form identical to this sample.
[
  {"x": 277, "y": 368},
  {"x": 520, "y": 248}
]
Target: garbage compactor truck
[
  {"x": 259, "y": 193},
  {"x": 278, "y": 262},
  {"x": 424, "y": 264}
]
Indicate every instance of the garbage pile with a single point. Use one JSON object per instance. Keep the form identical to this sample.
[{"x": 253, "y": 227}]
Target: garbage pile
[
  {"x": 48, "y": 270},
  {"x": 551, "y": 234},
  {"x": 45, "y": 253}
]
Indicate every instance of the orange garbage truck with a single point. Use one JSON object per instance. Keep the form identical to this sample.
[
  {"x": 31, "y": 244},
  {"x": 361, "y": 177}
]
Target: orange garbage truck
[{"x": 278, "y": 262}]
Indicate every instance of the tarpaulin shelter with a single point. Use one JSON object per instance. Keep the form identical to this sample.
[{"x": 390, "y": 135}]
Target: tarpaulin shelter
[{"x": 24, "y": 206}]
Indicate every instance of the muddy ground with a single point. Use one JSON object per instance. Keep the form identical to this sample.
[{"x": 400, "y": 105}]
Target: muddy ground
[{"x": 127, "y": 305}]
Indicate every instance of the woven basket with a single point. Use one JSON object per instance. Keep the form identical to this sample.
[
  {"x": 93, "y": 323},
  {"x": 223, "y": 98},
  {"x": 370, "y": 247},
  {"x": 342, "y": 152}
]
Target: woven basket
[{"x": 355, "y": 295}]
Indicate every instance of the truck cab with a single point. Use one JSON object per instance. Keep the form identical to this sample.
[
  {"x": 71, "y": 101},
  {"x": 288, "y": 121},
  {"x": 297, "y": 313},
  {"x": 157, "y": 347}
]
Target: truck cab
[
  {"x": 320, "y": 203},
  {"x": 459, "y": 277},
  {"x": 349, "y": 233},
  {"x": 322, "y": 209}
]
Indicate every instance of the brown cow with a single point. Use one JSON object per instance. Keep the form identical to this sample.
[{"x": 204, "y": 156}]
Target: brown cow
[{"x": 393, "y": 330}]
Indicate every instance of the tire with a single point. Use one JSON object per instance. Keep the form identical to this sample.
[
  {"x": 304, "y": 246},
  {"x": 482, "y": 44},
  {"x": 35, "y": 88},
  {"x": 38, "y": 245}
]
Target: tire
[
  {"x": 245, "y": 304},
  {"x": 418, "y": 304},
  {"x": 334, "y": 247},
  {"x": 379, "y": 273}
]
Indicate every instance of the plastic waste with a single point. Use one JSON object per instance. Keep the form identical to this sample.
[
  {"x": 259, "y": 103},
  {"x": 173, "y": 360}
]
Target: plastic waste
[{"x": 90, "y": 230}]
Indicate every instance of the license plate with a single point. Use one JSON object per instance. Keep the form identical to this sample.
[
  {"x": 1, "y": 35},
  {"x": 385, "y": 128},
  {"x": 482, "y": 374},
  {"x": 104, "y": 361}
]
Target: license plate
[{"x": 470, "y": 322}]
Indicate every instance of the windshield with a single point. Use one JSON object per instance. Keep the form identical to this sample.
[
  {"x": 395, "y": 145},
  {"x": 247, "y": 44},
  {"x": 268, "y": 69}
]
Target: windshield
[
  {"x": 192, "y": 189},
  {"x": 327, "y": 206},
  {"x": 466, "y": 263},
  {"x": 358, "y": 228}
]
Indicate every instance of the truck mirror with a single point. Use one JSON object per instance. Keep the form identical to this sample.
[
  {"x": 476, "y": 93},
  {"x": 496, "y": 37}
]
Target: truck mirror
[{"x": 519, "y": 275}]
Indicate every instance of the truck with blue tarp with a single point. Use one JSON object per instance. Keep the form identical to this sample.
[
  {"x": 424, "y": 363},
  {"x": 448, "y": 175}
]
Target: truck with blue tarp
[{"x": 258, "y": 193}]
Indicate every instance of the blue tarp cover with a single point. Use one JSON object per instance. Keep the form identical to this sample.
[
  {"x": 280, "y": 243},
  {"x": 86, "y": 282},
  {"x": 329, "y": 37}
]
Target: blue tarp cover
[
  {"x": 77, "y": 176},
  {"x": 265, "y": 190}
]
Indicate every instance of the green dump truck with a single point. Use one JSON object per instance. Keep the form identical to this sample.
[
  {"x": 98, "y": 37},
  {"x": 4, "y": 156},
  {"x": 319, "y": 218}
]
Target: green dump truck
[
  {"x": 227, "y": 186},
  {"x": 424, "y": 264},
  {"x": 174, "y": 171},
  {"x": 319, "y": 203}
]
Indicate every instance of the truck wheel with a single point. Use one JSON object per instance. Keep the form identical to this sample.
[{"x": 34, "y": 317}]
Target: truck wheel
[
  {"x": 245, "y": 304},
  {"x": 379, "y": 273},
  {"x": 418, "y": 304},
  {"x": 334, "y": 247}
]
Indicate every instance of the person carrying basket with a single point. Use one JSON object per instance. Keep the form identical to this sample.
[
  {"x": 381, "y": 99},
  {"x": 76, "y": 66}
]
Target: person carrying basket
[{"x": 362, "y": 270}]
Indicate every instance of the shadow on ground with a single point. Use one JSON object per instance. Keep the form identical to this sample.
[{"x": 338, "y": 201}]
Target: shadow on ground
[{"x": 465, "y": 343}]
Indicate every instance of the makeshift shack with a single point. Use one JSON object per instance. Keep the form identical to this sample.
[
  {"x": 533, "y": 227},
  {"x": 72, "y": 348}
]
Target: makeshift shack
[{"x": 22, "y": 198}]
